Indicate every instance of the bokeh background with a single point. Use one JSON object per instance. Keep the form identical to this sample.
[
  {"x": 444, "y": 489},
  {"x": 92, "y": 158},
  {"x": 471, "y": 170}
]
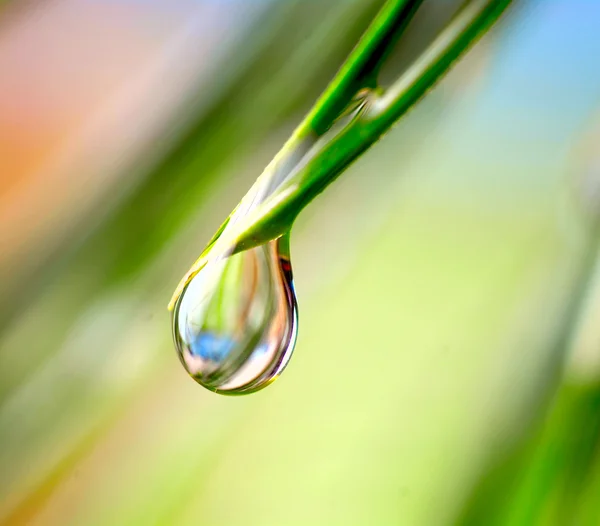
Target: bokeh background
[{"x": 448, "y": 363}]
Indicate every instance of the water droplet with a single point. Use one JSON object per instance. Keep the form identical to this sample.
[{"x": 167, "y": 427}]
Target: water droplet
[{"x": 235, "y": 322}]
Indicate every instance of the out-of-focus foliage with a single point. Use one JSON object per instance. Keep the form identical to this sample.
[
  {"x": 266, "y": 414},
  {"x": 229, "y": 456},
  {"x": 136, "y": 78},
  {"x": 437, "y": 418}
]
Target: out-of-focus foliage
[{"x": 440, "y": 281}]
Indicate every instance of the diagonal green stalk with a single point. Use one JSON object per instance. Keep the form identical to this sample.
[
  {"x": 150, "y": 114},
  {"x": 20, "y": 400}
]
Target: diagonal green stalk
[
  {"x": 361, "y": 67},
  {"x": 309, "y": 166}
]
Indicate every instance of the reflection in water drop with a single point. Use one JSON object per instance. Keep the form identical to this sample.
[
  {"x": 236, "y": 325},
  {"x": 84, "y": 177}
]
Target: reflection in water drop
[{"x": 235, "y": 322}]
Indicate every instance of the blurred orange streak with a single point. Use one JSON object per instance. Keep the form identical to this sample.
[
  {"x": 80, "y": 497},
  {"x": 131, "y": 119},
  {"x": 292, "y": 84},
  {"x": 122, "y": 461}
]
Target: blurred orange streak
[{"x": 75, "y": 80}]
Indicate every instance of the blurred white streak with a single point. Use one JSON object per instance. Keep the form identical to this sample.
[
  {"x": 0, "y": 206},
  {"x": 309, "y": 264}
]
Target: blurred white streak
[{"x": 584, "y": 359}]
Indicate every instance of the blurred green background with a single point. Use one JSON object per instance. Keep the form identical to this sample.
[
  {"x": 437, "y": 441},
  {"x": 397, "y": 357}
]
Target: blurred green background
[{"x": 448, "y": 362}]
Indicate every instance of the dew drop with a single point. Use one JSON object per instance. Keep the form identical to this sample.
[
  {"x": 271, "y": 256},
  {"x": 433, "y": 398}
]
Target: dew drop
[{"x": 235, "y": 322}]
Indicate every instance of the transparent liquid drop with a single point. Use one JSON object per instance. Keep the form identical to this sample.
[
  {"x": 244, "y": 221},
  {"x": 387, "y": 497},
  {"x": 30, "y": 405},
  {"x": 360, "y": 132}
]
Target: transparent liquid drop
[{"x": 235, "y": 322}]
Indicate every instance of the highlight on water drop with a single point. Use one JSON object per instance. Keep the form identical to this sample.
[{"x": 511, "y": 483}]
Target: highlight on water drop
[{"x": 235, "y": 323}]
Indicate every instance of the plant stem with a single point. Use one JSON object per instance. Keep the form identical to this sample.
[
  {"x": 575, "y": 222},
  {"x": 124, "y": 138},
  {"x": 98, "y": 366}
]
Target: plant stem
[
  {"x": 303, "y": 169},
  {"x": 278, "y": 213},
  {"x": 361, "y": 67}
]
